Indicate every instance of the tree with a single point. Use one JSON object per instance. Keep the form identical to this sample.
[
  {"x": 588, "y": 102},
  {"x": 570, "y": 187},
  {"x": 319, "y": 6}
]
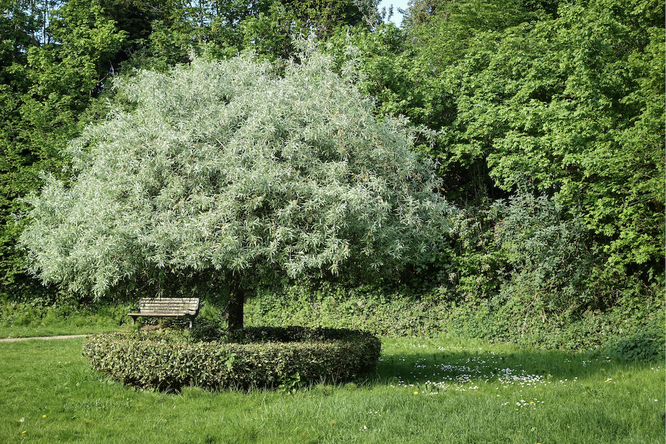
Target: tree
[
  {"x": 228, "y": 169},
  {"x": 406, "y": 71},
  {"x": 573, "y": 106},
  {"x": 52, "y": 64},
  {"x": 175, "y": 29},
  {"x": 558, "y": 99},
  {"x": 273, "y": 33}
]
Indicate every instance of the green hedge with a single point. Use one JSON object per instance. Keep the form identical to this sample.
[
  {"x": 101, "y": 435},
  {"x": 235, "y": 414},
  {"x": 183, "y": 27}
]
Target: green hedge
[
  {"x": 518, "y": 318},
  {"x": 266, "y": 358}
]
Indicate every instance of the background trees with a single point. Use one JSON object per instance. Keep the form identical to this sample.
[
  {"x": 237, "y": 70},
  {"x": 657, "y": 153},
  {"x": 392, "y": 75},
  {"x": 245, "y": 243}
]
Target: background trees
[
  {"x": 554, "y": 106},
  {"x": 54, "y": 63},
  {"x": 562, "y": 100}
]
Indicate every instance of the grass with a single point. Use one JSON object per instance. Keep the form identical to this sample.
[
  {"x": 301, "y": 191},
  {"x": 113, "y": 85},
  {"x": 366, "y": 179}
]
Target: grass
[
  {"x": 72, "y": 328},
  {"x": 25, "y": 321},
  {"x": 425, "y": 391}
]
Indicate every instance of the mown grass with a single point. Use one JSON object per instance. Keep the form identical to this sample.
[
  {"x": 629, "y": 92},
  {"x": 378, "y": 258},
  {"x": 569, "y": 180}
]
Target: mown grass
[
  {"x": 57, "y": 329},
  {"x": 425, "y": 391},
  {"x": 25, "y": 321}
]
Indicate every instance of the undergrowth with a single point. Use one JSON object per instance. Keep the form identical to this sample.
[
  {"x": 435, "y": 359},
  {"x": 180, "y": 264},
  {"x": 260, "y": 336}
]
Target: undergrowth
[
  {"x": 632, "y": 332},
  {"x": 49, "y": 318},
  {"x": 632, "y": 329}
]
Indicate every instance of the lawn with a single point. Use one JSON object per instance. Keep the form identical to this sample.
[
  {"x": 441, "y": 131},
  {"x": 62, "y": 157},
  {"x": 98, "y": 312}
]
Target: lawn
[
  {"x": 25, "y": 321},
  {"x": 425, "y": 391}
]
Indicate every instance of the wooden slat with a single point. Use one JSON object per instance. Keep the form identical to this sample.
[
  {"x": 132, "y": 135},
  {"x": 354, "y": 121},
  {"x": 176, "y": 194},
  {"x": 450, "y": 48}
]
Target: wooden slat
[{"x": 168, "y": 306}]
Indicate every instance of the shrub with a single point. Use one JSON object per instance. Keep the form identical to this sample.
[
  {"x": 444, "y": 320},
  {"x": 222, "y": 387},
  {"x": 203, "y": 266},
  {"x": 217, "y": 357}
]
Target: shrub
[
  {"x": 205, "y": 330},
  {"x": 266, "y": 358},
  {"x": 430, "y": 312},
  {"x": 643, "y": 346}
]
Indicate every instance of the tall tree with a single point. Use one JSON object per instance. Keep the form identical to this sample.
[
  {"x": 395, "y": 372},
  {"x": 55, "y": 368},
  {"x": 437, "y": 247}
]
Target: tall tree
[
  {"x": 553, "y": 98},
  {"x": 222, "y": 29},
  {"x": 53, "y": 64},
  {"x": 230, "y": 170},
  {"x": 573, "y": 106}
]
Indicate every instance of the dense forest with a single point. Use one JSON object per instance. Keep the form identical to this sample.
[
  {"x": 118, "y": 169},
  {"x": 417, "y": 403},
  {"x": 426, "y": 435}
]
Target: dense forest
[{"x": 545, "y": 119}]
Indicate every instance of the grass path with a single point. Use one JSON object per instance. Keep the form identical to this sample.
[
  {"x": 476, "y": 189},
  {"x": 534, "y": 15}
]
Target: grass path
[
  {"x": 435, "y": 391},
  {"x": 41, "y": 338},
  {"x": 57, "y": 329}
]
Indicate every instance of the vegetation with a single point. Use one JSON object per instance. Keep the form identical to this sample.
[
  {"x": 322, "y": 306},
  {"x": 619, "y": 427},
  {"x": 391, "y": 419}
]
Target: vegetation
[
  {"x": 256, "y": 358},
  {"x": 544, "y": 118},
  {"x": 23, "y": 320},
  {"x": 228, "y": 171},
  {"x": 404, "y": 312},
  {"x": 562, "y": 101},
  {"x": 465, "y": 391},
  {"x": 491, "y": 171}
]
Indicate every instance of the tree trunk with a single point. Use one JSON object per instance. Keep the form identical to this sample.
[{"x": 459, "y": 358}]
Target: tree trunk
[{"x": 236, "y": 302}]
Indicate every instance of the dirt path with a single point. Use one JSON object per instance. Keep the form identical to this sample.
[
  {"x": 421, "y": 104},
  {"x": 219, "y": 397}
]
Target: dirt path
[{"x": 43, "y": 337}]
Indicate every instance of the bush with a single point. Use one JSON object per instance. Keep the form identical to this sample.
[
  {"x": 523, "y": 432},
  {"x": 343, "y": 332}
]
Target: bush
[
  {"x": 430, "y": 312},
  {"x": 39, "y": 313},
  {"x": 266, "y": 358},
  {"x": 398, "y": 311},
  {"x": 644, "y": 346}
]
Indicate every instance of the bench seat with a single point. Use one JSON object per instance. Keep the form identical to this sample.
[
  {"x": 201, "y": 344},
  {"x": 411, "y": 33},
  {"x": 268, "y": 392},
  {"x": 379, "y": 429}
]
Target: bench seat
[{"x": 167, "y": 308}]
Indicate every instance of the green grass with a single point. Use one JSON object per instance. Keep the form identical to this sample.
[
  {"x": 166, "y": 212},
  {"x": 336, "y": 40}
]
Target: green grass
[
  {"x": 425, "y": 391},
  {"x": 19, "y": 320},
  {"x": 36, "y": 330}
]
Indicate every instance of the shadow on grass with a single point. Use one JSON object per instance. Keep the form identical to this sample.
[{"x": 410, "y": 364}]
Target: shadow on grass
[{"x": 476, "y": 366}]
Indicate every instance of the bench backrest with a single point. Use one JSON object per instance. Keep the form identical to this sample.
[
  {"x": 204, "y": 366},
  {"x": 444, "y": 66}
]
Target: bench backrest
[{"x": 169, "y": 306}]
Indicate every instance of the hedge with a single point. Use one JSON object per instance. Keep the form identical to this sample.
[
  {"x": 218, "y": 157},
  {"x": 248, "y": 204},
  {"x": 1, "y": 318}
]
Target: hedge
[{"x": 265, "y": 358}]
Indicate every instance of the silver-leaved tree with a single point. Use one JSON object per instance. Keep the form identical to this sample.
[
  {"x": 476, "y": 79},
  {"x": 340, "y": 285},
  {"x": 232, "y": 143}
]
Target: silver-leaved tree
[{"x": 239, "y": 170}]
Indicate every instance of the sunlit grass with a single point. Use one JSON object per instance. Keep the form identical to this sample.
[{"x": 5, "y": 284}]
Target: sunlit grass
[
  {"x": 425, "y": 391},
  {"x": 24, "y": 321},
  {"x": 57, "y": 329}
]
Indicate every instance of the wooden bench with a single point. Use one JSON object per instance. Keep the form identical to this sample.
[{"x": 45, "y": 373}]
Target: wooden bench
[{"x": 167, "y": 308}]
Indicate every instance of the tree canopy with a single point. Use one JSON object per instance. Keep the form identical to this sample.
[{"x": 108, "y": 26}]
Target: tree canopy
[
  {"x": 560, "y": 98},
  {"x": 235, "y": 170}
]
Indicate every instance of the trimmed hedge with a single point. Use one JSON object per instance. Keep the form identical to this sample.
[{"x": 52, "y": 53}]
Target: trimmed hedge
[{"x": 265, "y": 358}]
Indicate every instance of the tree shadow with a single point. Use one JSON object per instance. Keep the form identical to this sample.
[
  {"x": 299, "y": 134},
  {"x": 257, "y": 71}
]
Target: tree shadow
[{"x": 462, "y": 366}]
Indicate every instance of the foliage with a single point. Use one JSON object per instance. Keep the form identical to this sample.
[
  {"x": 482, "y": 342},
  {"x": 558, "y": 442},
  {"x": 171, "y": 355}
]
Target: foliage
[
  {"x": 401, "y": 311},
  {"x": 38, "y": 317},
  {"x": 382, "y": 311},
  {"x": 565, "y": 100},
  {"x": 646, "y": 346},
  {"x": 557, "y": 105},
  {"x": 52, "y": 65},
  {"x": 56, "y": 57},
  {"x": 272, "y": 34},
  {"x": 269, "y": 28},
  {"x": 513, "y": 100},
  {"x": 528, "y": 276},
  {"x": 179, "y": 28},
  {"x": 407, "y": 71},
  {"x": 163, "y": 361},
  {"x": 206, "y": 330},
  {"x": 525, "y": 250},
  {"x": 546, "y": 253},
  {"x": 229, "y": 170}
]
